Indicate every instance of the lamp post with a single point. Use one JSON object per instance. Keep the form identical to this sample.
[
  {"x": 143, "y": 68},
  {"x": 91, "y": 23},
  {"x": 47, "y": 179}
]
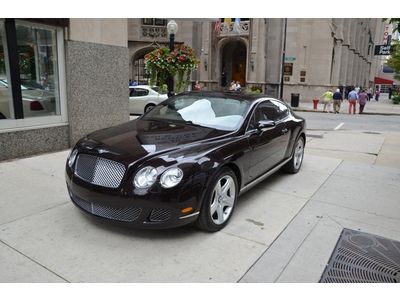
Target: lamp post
[
  {"x": 172, "y": 29},
  {"x": 283, "y": 59}
]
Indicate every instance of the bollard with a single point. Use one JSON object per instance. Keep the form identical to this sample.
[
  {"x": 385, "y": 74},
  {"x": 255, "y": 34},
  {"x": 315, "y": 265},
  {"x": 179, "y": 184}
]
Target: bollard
[{"x": 315, "y": 103}]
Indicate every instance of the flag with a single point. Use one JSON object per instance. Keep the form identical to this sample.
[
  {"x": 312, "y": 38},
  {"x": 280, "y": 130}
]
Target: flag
[{"x": 217, "y": 26}]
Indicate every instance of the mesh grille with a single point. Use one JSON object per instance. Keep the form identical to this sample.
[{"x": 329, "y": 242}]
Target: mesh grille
[
  {"x": 99, "y": 170},
  {"x": 125, "y": 214},
  {"x": 160, "y": 215},
  {"x": 362, "y": 257}
]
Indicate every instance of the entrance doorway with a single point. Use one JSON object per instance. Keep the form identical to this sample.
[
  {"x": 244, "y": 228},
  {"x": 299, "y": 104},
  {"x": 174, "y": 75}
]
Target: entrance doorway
[
  {"x": 233, "y": 57},
  {"x": 139, "y": 74}
]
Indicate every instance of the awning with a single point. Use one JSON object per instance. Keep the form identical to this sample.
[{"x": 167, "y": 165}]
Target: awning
[{"x": 379, "y": 80}]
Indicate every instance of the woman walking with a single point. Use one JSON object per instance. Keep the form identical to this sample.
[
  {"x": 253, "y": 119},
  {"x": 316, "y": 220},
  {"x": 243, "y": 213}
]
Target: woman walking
[{"x": 362, "y": 100}]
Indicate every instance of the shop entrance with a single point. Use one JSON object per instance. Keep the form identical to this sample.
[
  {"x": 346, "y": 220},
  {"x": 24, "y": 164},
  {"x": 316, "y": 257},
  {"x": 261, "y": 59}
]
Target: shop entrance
[{"x": 233, "y": 57}]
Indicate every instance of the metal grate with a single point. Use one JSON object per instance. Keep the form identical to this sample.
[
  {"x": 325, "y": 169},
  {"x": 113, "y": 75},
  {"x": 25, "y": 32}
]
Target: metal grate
[
  {"x": 99, "y": 170},
  {"x": 160, "y": 215},
  {"x": 125, "y": 214},
  {"x": 363, "y": 257}
]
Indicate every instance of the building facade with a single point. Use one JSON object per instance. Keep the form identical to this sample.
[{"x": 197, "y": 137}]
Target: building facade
[
  {"x": 320, "y": 54},
  {"x": 59, "y": 80}
]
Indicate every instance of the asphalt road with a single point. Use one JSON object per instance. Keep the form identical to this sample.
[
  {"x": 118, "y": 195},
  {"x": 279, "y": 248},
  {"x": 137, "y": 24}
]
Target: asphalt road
[{"x": 371, "y": 123}]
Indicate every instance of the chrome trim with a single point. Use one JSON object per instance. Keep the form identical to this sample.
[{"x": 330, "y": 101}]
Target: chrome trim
[
  {"x": 262, "y": 177},
  {"x": 188, "y": 216}
]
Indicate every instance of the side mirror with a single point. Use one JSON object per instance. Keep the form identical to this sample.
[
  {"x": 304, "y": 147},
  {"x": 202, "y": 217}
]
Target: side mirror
[{"x": 265, "y": 124}]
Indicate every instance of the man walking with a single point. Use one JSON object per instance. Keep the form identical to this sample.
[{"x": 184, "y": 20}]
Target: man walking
[
  {"x": 353, "y": 97},
  {"x": 337, "y": 100}
]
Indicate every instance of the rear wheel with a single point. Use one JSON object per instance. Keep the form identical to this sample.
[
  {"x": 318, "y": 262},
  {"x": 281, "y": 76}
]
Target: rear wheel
[
  {"x": 219, "y": 201},
  {"x": 148, "y": 107},
  {"x": 293, "y": 166}
]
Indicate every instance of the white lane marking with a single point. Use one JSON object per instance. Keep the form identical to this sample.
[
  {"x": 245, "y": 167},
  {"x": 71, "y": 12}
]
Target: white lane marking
[{"x": 339, "y": 126}]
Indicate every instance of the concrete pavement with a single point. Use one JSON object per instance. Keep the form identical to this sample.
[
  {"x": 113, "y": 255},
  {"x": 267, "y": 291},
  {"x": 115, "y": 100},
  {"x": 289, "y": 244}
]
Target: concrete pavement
[{"x": 284, "y": 230}]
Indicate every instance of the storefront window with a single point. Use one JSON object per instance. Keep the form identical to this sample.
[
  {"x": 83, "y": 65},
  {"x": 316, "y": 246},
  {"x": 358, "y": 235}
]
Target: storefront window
[
  {"x": 6, "y": 103},
  {"x": 38, "y": 68}
]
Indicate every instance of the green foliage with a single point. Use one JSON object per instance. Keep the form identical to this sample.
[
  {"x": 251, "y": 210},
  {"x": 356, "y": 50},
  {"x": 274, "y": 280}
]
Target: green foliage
[
  {"x": 396, "y": 99},
  {"x": 395, "y": 22},
  {"x": 394, "y": 60},
  {"x": 254, "y": 89},
  {"x": 161, "y": 63}
]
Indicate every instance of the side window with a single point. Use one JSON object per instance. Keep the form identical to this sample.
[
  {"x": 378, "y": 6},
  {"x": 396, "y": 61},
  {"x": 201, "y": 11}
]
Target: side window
[
  {"x": 138, "y": 92},
  {"x": 282, "y": 109},
  {"x": 258, "y": 115}
]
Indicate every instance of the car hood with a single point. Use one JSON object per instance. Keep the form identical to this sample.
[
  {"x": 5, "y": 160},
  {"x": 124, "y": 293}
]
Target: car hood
[{"x": 137, "y": 139}]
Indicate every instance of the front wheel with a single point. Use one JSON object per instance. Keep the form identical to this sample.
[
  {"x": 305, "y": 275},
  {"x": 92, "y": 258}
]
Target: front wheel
[
  {"x": 149, "y": 107},
  {"x": 219, "y": 201},
  {"x": 293, "y": 166}
]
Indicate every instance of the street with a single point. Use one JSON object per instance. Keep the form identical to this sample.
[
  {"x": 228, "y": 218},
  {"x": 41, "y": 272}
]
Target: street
[{"x": 283, "y": 230}]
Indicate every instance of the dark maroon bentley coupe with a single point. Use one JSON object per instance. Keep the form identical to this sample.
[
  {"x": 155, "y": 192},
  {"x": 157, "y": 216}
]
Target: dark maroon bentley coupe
[{"x": 185, "y": 161}]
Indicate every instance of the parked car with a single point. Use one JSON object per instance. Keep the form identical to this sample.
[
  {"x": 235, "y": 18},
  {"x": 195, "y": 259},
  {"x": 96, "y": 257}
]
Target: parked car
[
  {"x": 186, "y": 160},
  {"x": 35, "y": 101},
  {"x": 143, "y": 98}
]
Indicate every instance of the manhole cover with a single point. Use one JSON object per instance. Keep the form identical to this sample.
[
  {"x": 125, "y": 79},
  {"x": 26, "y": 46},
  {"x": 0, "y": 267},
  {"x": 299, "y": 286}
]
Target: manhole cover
[{"x": 363, "y": 257}]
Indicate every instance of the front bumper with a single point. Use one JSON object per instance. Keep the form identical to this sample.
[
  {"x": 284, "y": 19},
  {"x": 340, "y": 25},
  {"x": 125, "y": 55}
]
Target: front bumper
[{"x": 154, "y": 212}]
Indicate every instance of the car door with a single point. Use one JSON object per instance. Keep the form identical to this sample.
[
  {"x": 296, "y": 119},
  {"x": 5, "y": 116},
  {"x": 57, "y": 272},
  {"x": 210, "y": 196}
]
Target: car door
[
  {"x": 267, "y": 145},
  {"x": 137, "y": 100}
]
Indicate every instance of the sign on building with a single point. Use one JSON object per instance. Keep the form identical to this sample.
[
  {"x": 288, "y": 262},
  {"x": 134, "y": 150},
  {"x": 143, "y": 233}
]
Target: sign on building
[{"x": 382, "y": 50}]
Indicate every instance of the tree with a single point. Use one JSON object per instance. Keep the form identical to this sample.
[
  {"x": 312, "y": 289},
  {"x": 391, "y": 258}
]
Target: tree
[{"x": 394, "y": 60}]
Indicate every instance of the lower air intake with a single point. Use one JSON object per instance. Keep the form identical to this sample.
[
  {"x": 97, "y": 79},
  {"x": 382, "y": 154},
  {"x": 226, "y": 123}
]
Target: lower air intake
[{"x": 160, "y": 215}]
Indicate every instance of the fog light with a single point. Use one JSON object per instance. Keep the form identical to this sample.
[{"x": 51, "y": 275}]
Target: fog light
[{"x": 187, "y": 209}]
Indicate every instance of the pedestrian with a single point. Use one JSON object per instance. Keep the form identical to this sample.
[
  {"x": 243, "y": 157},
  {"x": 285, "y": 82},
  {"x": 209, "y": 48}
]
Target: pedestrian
[
  {"x": 377, "y": 94},
  {"x": 390, "y": 92},
  {"x": 369, "y": 93},
  {"x": 232, "y": 86},
  {"x": 362, "y": 100},
  {"x": 327, "y": 99},
  {"x": 337, "y": 101},
  {"x": 238, "y": 86},
  {"x": 197, "y": 86},
  {"x": 352, "y": 97}
]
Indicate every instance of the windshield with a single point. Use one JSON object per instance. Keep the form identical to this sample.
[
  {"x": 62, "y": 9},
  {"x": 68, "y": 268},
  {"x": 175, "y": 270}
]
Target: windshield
[
  {"x": 220, "y": 113},
  {"x": 158, "y": 90}
]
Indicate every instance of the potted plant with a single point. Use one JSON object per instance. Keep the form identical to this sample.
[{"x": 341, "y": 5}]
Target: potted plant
[{"x": 161, "y": 63}]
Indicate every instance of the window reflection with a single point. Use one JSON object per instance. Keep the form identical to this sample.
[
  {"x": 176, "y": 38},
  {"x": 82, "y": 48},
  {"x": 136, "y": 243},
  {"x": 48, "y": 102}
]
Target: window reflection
[
  {"x": 37, "y": 51},
  {"x": 6, "y": 103}
]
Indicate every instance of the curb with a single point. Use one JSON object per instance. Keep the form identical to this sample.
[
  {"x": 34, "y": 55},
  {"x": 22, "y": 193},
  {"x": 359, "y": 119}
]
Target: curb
[{"x": 364, "y": 113}]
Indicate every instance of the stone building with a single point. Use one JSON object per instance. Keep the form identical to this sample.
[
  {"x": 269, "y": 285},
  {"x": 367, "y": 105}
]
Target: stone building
[
  {"x": 319, "y": 53},
  {"x": 59, "y": 80}
]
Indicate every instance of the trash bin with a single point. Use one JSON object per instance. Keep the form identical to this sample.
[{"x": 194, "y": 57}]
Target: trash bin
[{"x": 294, "y": 100}]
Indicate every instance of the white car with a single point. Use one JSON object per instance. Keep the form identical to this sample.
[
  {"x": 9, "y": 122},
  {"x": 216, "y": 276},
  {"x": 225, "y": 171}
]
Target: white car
[
  {"x": 36, "y": 102},
  {"x": 143, "y": 98}
]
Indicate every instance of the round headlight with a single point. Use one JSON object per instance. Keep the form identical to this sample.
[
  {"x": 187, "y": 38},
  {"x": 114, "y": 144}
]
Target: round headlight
[
  {"x": 171, "y": 177},
  {"x": 145, "y": 177},
  {"x": 71, "y": 158}
]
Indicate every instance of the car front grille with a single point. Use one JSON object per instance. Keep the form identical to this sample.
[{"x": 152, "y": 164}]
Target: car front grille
[
  {"x": 160, "y": 215},
  {"x": 125, "y": 214},
  {"x": 99, "y": 171}
]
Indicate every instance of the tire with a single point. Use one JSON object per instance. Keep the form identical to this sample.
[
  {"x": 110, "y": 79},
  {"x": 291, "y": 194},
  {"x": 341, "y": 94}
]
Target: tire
[
  {"x": 218, "y": 205},
  {"x": 293, "y": 166},
  {"x": 148, "y": 107}
]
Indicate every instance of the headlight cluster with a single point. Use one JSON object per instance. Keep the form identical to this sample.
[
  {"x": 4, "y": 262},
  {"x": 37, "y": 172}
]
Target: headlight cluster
[
  {"x": 146, "y": 177},
  {"x": 71, "y": 158}
]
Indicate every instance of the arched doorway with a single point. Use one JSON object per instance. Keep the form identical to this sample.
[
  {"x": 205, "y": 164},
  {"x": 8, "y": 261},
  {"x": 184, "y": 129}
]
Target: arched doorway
[
  {"x": 138, "y": 67},
  {"x": 233, "y": 62}
]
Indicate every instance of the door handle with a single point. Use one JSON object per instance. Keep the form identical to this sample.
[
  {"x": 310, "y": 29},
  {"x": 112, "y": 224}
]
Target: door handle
[{"x": 284, "y": 130}]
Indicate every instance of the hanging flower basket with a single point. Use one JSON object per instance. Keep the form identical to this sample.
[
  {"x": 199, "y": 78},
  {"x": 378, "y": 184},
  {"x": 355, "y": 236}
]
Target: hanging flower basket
[{"x": 161, "y": 62}]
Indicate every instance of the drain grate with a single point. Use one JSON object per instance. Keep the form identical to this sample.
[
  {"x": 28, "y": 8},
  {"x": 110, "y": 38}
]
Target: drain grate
[{"x": 363, "y": 257}]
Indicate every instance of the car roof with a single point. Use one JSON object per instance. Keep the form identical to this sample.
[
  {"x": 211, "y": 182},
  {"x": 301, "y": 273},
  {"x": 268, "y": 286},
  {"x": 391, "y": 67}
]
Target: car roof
[
  {"x": 140, "y": 86},
  {"x": 230, "y": 94}
]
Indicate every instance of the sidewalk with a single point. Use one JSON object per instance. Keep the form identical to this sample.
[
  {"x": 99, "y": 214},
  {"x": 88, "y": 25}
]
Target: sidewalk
[
  {"x": 382, "y": 107},
  {"x": 283, "y": 230}
]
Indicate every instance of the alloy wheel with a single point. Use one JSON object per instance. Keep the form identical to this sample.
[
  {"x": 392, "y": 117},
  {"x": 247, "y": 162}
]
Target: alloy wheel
[
  {"x": 299, "y": 153},
  {"x": 223, "y": 199}
]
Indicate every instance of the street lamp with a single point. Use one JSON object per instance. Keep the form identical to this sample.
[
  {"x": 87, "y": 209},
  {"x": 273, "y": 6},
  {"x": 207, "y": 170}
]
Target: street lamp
[{"x": 172, "y": 29}]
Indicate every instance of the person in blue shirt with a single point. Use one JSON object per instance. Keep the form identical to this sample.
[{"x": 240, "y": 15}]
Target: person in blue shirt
[{"x": 353, "y": 98}]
